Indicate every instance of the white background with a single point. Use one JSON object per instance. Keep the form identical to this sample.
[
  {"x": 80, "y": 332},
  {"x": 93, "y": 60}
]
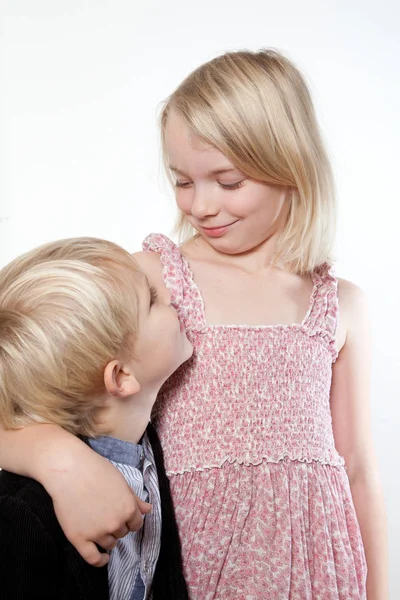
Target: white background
[{"x": 81, "y": 82}]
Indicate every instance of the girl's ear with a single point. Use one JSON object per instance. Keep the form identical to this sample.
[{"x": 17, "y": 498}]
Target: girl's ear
[{"x": 120, "y": 380}]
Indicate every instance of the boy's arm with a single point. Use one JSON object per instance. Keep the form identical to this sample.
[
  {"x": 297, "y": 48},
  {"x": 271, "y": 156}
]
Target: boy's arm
[{"x": 92, "y": 500}]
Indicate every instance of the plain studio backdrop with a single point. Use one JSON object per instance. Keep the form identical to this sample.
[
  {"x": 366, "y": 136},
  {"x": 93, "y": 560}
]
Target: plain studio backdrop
[{"x": 81, "y": 85}]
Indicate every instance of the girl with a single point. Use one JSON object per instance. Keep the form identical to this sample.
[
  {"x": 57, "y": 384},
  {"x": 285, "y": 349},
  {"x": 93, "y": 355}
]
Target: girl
[
  {"x": 266, "y": 429},
  {"x": 77, "y": 325}
]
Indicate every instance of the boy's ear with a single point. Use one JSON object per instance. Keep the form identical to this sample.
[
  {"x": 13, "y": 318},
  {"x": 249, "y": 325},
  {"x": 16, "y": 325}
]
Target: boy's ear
[{"x": 119, "y": 380}]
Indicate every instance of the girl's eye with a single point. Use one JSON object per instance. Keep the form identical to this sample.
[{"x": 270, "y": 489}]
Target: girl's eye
[
  {"x": 182, "y": 184},
  {"x": 232, "y": 186},
  {"x": 153, "y": 296}
]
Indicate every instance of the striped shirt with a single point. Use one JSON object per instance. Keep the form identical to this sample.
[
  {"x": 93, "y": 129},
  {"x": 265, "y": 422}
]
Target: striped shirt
[{"x": 133, "y": 560}]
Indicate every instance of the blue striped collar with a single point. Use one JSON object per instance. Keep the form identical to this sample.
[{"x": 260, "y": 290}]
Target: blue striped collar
[{"x": 118, "y": 451}]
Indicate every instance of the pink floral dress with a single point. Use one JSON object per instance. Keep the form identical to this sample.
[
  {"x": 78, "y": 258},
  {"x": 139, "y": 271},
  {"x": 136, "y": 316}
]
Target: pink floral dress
[{"x": 262, "y": 497}]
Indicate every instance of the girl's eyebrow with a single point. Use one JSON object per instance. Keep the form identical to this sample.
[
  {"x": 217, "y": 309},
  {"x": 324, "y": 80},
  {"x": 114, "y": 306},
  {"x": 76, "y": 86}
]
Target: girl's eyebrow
[{"x": 212, "y": 172}]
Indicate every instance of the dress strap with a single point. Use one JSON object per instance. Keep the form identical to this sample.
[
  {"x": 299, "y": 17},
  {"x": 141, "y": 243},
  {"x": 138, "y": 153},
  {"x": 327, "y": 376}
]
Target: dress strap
[
  {"x": 323, "y": 317},
  {"x": 178, "y": 278}
]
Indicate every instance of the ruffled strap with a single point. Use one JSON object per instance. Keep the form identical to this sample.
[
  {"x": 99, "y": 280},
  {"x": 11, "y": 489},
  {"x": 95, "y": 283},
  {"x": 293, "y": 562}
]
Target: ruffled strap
[
  {"x": 171, "y": 260},
  {"x": 323, "y": 316},
  {"x": 178, "y": 278}
]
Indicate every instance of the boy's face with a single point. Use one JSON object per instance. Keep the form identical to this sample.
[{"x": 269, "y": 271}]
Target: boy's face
[{"x": 161, "y": 344}]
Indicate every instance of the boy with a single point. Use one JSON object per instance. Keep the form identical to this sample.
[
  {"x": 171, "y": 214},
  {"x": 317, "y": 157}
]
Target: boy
[{"x": 85, "y": 343}]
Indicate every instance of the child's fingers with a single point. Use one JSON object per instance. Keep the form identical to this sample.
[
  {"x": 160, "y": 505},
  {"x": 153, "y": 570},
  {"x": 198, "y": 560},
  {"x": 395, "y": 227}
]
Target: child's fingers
[
  {"x": 136, "y": 520},
  {"x": 91, "y": 554},
  {"x": 144, "y": 507},
  {"x": 120, "y": 532},
  {"x": 107, "y": 541}
]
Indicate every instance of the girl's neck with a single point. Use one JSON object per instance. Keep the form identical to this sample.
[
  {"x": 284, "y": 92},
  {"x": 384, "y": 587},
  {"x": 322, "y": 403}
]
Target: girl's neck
[{"x": 253, "y": 260}]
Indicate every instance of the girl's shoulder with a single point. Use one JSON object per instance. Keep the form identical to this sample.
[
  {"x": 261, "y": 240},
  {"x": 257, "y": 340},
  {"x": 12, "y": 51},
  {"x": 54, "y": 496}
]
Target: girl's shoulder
[
  {"x": 148, "y": 260},
  {"x": 351, "y": 298},
  {"x": 150, "y": 263},
  {"x": 155, "y": 247},
  {"x": 353, "y": 312},
  {"x": 161, "y": 261}
]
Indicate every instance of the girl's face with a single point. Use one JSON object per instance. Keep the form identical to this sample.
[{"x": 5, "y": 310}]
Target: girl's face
[
  {"x": 231, "y": 212},
  {"x": 161, "y": 344}
]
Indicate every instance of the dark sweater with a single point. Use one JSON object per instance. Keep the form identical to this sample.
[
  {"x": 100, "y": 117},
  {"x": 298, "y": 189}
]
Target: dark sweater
[{"x": 37, "y": 562}]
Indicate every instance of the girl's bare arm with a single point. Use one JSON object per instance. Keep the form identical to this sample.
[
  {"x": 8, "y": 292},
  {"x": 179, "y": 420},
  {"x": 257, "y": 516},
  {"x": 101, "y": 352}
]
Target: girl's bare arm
[{"x": 353, "y": 437}]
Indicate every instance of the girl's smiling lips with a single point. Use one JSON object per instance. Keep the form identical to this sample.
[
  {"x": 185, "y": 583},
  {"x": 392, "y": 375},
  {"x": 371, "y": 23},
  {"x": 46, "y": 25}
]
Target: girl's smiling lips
[{"x": 217, "y": 231}]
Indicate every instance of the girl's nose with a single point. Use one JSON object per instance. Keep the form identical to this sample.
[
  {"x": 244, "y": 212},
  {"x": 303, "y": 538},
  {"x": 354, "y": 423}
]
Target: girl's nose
[{"x": 203, "y": 205}]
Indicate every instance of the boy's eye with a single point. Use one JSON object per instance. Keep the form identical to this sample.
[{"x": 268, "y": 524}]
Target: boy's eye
[
  {"x": 153, "y": 295},
  {"x": 182, "y": 184}
]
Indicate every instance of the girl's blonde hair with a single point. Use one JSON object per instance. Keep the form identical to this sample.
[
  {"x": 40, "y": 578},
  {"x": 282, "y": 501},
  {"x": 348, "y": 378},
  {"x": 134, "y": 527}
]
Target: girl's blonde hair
[
  {"x": 66, "y": 310},
  {"x": 255, "y": 107}
]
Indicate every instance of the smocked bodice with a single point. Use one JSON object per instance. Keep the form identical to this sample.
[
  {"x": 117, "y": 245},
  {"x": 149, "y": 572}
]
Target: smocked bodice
[{"x": 249, "y": 393}]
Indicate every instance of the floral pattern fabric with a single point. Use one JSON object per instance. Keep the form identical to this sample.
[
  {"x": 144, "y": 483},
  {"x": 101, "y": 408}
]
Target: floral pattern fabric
[{"x": 262, "y": 497}]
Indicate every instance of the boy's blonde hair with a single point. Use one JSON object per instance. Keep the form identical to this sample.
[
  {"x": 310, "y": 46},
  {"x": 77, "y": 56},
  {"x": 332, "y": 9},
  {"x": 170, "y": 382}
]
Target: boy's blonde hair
[
  {"x": 255, "y": 107},
  {"x": 66, "y": 309}
]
